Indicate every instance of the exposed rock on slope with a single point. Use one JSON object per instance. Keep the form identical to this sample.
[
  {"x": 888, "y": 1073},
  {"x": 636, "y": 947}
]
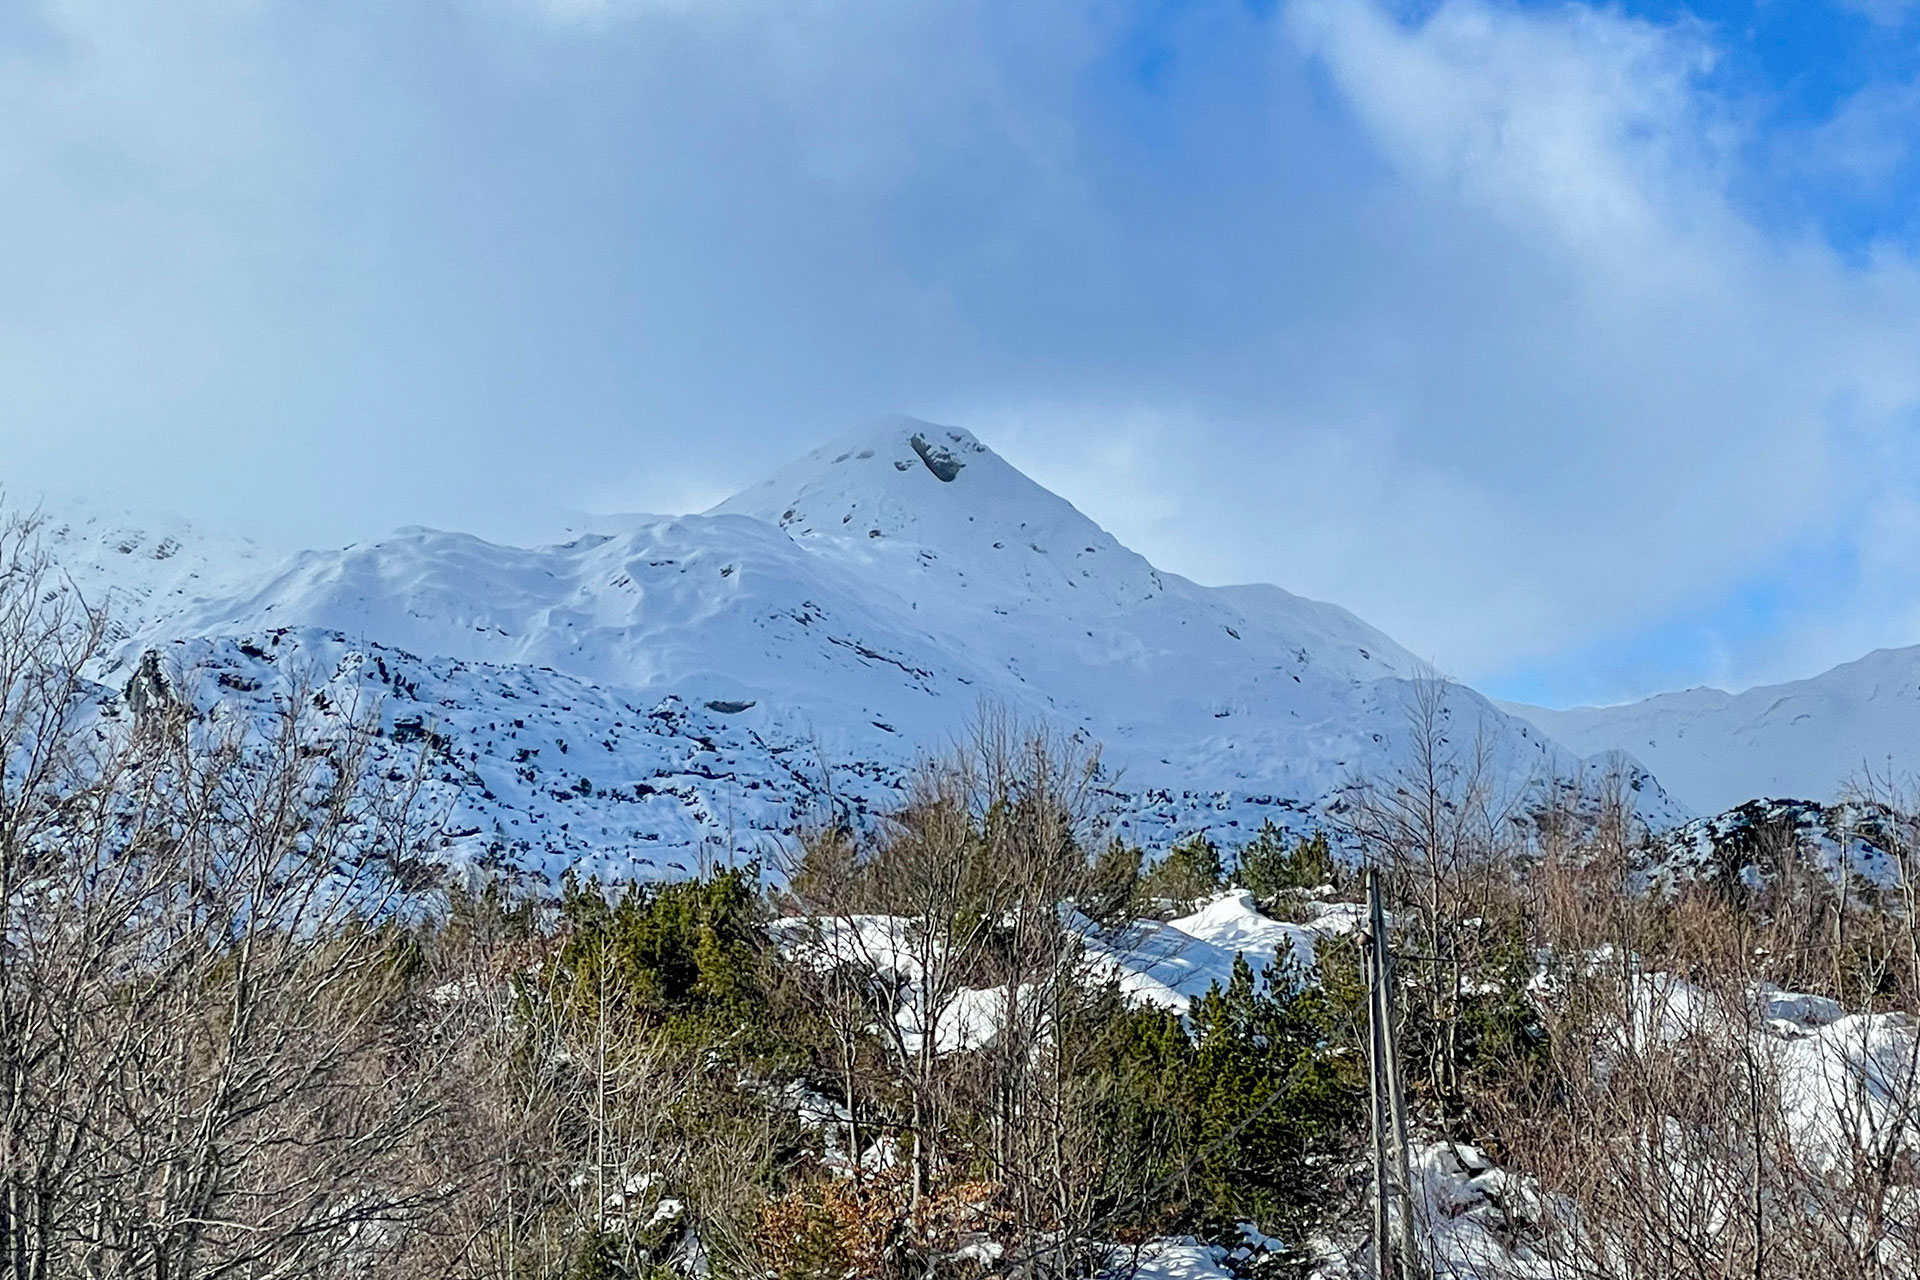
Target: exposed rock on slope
[{"x": 1757, "y": 843}]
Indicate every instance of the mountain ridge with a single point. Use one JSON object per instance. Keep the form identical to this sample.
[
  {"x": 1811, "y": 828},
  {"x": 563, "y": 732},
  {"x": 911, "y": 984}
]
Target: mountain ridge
[
  {"x": 1802, "y": 739},
  {"x": 812, "y": 637}
]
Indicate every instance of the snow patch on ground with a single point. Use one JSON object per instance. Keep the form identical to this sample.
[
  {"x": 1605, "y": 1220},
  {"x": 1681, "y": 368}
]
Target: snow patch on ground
[
  {"x": 1841, "y": 1078},
  {"x": 1164, "y": 964},
  {"x": 1171, "y": 964}
]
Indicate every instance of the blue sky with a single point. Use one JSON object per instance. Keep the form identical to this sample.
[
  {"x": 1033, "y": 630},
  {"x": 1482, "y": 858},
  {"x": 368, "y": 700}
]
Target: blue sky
[{"x": 1577, "y": 346}]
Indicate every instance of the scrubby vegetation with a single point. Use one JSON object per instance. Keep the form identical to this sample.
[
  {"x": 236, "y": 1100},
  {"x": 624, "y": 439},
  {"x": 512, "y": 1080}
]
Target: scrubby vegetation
[{"x": 244, "y": 1033}]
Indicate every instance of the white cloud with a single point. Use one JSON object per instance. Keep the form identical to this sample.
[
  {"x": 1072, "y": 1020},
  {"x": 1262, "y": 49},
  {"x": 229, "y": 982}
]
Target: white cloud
[
  {"x": 1865, "y": 144},
  {"x": 588, "y": 16},
  {"x": 1596, "y": 392},
  {"x": 1891, "y": 13},
  {"x": 1576, "y": 124}
]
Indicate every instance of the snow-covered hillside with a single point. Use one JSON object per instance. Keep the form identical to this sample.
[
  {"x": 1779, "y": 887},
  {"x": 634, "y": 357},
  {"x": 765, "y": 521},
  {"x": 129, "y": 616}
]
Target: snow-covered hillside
[
  {"x": 1805, "y": 740},
  {"x": 142, "y": 567},
  {"x": 683, "y": 688}
]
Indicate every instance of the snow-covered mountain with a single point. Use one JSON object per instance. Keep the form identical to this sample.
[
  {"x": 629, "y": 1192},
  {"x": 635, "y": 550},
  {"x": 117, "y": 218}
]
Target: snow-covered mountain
[
  {"x": 685, "y": 688},
  {"x": 1805, "y": 740}
]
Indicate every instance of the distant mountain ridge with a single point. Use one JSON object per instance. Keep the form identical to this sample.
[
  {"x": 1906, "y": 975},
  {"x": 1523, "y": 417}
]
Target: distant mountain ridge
[
  {"x": 635, "y": 703},
  {"x": 1805, "y": 739}
]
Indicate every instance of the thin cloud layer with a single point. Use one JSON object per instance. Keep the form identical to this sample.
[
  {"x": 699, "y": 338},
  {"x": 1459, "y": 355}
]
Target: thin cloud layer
[{"x": 1472, "y": 323}]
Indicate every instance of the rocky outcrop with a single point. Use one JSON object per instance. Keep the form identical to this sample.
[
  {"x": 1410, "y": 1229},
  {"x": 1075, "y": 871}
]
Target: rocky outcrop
[
  {"x": 939, "y": 459},
  {"x": 149, "y": 692}
]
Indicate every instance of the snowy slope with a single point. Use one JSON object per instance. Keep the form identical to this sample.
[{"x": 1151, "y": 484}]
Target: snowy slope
[
  {"x": 851, "y": 612},
  {"x": 142, "y": 568},
  {"x": 1805, "y": 740}
]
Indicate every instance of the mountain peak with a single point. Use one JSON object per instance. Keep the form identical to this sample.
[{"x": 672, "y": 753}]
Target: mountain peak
[
  {"x": 944, "y": 451},
  {"x": 930, "y": 484}
]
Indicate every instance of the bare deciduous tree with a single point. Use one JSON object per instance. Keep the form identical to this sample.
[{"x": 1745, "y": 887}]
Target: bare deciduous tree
[{"x": 198, "y": 1071}]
